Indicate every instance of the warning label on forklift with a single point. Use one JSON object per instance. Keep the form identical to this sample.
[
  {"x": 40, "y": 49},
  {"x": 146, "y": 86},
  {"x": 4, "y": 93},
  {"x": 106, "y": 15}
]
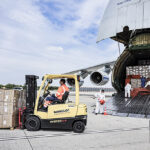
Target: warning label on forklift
[{"x": 61, "y": 111}]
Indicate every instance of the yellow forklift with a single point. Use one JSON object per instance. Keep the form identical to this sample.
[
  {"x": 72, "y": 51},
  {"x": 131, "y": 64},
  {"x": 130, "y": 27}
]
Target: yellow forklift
[{"x": 63, "y": 114}]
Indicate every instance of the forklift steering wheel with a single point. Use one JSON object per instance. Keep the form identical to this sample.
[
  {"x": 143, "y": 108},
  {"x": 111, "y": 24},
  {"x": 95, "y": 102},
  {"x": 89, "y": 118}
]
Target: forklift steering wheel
[
  {"x": 46, "y": 94},
  {"x": 41, "y": 99}
]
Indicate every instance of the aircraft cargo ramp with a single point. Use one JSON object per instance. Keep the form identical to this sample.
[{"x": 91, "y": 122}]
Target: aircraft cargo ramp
[{"x": 127, "y": 107}]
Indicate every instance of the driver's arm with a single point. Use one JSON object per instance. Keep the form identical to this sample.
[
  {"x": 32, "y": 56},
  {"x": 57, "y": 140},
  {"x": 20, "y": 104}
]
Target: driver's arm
[{"x": 59, "y": 91}]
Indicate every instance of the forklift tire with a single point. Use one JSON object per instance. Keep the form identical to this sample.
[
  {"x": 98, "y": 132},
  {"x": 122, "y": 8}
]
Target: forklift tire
[
  {"x": 32, "y": 123},
  {"x": 78, "y": 127}
]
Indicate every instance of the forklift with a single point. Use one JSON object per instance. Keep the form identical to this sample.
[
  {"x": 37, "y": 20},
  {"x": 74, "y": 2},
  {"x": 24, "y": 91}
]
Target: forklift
[{"x": 63, "y": 114}]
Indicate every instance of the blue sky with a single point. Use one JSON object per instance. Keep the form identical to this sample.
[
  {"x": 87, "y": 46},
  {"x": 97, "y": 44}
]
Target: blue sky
[{"x": 50, "y": 36}]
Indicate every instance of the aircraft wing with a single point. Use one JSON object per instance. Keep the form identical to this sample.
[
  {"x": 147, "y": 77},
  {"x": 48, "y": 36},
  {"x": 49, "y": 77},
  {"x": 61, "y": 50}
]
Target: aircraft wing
[{"x": 85, "y": 71}]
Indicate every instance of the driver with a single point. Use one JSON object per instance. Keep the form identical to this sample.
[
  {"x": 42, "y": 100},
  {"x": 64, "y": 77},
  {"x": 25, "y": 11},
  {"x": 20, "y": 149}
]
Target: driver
[{"x": 58, "y": 96}]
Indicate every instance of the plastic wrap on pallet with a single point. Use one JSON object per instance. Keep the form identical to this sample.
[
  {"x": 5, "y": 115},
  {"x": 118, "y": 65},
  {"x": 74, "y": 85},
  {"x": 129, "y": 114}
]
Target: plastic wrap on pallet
[{"x": 135, "y": 83}]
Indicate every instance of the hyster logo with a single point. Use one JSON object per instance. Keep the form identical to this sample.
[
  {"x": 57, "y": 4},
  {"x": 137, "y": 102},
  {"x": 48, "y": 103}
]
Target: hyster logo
[{"x": 61, "y": 111}]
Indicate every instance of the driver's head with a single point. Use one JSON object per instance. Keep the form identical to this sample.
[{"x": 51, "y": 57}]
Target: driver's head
[{"x": 62, "y": 81}]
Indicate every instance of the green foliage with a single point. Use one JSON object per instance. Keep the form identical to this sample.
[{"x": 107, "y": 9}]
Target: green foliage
[
  {"x": 1, "y": 86},
  {"x": 52, "y": 88},
  {"x": 11, "y": 86}
]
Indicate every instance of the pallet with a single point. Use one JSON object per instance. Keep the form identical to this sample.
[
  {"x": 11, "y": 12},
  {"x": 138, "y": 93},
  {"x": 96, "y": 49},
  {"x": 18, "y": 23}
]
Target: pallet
[{"x": 10, "y": 128}]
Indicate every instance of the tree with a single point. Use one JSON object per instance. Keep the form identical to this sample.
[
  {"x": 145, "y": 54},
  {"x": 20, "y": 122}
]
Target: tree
[
  {"x": 1, "y": 86},
  {"x": 10, "y": 86}
]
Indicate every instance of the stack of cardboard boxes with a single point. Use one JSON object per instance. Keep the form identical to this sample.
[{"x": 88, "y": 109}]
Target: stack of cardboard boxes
[
  {"x": 10, "y": 101},
  {"x": 135, "y": 83},
  {"x": 136, "y": 72}
]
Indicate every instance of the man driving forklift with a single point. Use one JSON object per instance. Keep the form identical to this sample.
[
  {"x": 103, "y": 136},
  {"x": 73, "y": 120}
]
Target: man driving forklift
[
  {"x": 59, "y": 115},
  {"x": 58, "y": 96}
]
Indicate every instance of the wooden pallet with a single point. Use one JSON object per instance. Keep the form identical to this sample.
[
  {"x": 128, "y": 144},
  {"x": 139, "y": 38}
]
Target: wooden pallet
[{"x": 9, "y": 128}]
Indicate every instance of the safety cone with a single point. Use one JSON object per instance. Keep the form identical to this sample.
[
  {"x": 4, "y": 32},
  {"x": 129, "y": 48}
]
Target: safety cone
[{"x": 105, "y": 113}]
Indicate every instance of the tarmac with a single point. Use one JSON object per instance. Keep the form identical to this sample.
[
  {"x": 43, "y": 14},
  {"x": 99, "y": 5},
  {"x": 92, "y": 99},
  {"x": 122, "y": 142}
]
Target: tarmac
[{"x": 102, "y": 132}]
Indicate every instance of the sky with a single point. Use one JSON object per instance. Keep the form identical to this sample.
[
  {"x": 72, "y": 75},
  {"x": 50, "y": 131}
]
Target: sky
[{"x": 50, "y": 37}]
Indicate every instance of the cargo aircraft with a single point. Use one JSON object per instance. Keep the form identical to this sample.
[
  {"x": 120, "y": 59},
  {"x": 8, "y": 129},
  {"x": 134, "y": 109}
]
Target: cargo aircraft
[{"x": 127, "y": 22}]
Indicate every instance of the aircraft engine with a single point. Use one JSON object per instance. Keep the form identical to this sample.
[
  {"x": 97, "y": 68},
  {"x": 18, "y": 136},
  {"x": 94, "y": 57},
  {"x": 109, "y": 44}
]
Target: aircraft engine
[{"x": 99, "y": 78}]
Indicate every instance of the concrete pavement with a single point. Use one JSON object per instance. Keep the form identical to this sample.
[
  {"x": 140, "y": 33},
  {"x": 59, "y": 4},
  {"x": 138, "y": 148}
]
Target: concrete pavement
[{"x": 102, "y": 132}]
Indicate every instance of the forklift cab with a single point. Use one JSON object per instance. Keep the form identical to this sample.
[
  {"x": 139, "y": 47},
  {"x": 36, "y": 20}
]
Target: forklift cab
[
  {"x": 59, "y": 115},
  {"x": 46, "y": 91}
]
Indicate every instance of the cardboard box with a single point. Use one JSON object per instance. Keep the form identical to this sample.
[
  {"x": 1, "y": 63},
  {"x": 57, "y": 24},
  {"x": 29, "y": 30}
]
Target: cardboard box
[
  {"x": 1, "y": 108},
  {"x": 9, "y": 102},
  {"x": 2, "y": 92},
  {"x": 135, "y": 83},
  {"x": 8, "y": 121},
  {"x": 8, "y": 108},
  {"x": 138, "y": 70},
  {"x": 11, "y": 96},
  {"x": 1, "y": 121}
]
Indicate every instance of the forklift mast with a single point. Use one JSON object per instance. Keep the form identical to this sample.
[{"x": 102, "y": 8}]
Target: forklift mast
[{"x": 31, "y": 91}]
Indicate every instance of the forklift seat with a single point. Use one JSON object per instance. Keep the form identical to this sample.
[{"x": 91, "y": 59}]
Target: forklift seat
[{"x": 64, "y": 98}]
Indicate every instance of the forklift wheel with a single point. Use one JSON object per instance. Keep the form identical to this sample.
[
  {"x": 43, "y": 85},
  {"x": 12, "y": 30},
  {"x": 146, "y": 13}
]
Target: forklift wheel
[
  {"x": 78, "y": 127},
  {"x": 32, "y": 123}
]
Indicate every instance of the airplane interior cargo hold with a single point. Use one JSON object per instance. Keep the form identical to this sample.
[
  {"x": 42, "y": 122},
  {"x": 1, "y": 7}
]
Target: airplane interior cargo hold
[
  {"x": 133, "y": 66},
  {"x": 130, "y": 59},
  {"x": 135, "y": 73},
  {"x": 135, "y": 60}
]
